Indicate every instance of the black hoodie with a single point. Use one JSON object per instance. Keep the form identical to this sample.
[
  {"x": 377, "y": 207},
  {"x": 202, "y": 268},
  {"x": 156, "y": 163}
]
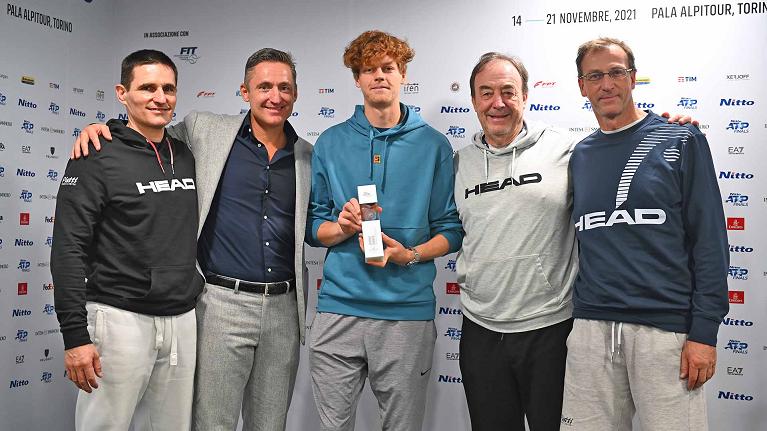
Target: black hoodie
[{"x": 126, "y": 219}]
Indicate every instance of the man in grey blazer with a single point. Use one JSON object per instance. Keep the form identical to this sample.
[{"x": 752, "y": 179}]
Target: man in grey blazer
[{"x": 253, "y": 184}]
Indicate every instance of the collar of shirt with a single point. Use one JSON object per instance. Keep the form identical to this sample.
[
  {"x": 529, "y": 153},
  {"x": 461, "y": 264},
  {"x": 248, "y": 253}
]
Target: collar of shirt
[{"x": 290, "y": 135}]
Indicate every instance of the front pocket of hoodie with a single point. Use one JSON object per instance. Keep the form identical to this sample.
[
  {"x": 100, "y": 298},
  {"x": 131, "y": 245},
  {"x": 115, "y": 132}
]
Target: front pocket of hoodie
[
  {"x": 171, "y": 284},
  {"x": 509, "y": 289}
]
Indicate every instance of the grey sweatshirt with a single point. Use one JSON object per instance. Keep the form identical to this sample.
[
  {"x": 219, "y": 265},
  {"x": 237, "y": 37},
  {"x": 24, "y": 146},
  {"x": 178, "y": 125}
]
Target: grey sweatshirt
[{"x": 519, "y": 256}]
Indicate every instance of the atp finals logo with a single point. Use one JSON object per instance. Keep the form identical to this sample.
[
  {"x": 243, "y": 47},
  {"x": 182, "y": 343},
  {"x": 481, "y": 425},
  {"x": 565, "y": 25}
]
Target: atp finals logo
[{"x": 639, "y": 216}]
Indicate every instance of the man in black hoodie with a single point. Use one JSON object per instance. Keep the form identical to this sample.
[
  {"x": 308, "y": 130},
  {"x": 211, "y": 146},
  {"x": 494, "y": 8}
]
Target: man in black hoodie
[{"x": 123, "y": 262}]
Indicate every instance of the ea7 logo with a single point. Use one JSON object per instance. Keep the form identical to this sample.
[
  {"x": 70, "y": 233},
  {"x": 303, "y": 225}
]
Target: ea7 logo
[
  {"x": 738, "y": 273},
  {"x": 737, "y": 346},
  {"x": 735, "y": 371},
  {"x": 586, "y": 106},
  {"x": 737, "y": 126},
  {"x": 165, "y": 186}
]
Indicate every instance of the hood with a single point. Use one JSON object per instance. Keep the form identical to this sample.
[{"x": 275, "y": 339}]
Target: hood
[
  {"x": 131, "y": 137},
  {"x": 531, "y": 132},
  {"x": 359, "y": 123}
]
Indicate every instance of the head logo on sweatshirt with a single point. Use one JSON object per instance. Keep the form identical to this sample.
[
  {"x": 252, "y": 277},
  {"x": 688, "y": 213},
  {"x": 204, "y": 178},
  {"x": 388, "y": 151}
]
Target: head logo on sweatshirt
[
  {"x": 642, "y": 216},
  {"x": 166, "y": 186},
  {"x": 497, "y": 185}
]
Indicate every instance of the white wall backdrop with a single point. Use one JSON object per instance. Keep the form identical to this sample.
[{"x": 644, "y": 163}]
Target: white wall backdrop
[{"x": 705, "y": 60}]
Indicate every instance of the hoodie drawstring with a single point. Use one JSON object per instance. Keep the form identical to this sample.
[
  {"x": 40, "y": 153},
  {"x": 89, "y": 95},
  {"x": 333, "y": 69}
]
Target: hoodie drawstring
[
  {"x": 159, "y": 160},
  {"x": 484, "y": 153},
  {"x": 159, "y": 337},
  {"x": 513, "y": 161},
  {"x": 370, "y": 159},
  {"x": 613, "y": 352}
]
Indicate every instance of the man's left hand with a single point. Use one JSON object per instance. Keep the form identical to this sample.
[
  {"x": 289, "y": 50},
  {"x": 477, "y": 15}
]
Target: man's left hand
[
  {"x": 681, "y": 119},
  {"x": 698, "y": 363},
  {"x": 393, "y": 252}
]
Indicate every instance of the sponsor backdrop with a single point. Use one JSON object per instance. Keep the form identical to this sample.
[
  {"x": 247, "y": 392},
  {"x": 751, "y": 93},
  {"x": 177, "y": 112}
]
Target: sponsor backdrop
[{"x": 60, "y": 63}]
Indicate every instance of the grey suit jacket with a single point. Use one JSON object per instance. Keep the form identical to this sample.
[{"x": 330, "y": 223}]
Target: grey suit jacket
[{"x": 210, "y": 136}]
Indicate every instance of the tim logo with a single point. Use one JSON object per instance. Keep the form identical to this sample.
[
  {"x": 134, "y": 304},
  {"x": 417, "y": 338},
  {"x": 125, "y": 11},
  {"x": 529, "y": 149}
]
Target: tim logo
[
  {"x": 166, "y": 186},
  {"x": 25, "y": 195},
  {"x": 450, "y": 266},
  {"x": 737, "y": 346},
  {"x": 737, "y": 200},
  {"x": 453, "y": 333},
  {"x": 688, "y": 103},
  {"x": 456, "y": 132},
  {"x": 737, "y": 126},
  {"x": 21, "y": 336},
  {"x": 736, "y": 223},
  {"x": 49, "y": 309},
  {"x": 327, "y": 90},
  {"x": 326, "y": 112},
  {"x": 738, "y": 272},
  {"x": 28, "y": 127},
  {"x": 47, "y": 377},
  {"x": 682, "y": 79},
  {"x": 452, "y": 288},
  {"x": 100, "y": 116},
  {"x": 188, "y": 54},
  {"x": 54, "y": 108},
  {"x": 52, "y": 175}
]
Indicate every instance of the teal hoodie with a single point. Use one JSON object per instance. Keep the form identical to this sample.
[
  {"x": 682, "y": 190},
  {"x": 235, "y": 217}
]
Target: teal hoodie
[{"x": 411, "y": 165}]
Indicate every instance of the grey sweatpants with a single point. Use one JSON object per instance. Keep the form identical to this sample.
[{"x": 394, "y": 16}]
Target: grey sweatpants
[
  {"x": 395, "y": 356},
  {"x": 615, "y": 370}
]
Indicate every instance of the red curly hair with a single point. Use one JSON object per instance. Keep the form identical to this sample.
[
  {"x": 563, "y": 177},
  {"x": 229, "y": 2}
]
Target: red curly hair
[{"x": 373, "y": 44}]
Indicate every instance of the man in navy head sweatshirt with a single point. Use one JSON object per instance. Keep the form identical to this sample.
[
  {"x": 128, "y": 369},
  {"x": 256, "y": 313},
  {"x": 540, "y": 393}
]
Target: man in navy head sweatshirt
[{"x": 651, "y": 289}]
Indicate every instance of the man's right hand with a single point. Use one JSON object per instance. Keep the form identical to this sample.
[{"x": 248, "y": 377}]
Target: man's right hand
[
  {"x": 83, "y": 365},
  {"x": 350, "y": 219},
  {"x": 89, "y": 134}
]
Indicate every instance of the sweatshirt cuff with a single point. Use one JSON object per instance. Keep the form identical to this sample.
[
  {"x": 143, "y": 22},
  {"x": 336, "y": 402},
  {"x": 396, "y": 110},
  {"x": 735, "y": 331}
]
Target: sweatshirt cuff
[
  {"x": 453, "y": 238},
  {"x": 703, "y": 331},
  {"x": 76, "y": 337}
]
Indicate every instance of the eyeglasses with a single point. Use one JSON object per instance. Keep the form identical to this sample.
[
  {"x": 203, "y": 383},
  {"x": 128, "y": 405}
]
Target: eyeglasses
[{"x": 613, "y": 73}]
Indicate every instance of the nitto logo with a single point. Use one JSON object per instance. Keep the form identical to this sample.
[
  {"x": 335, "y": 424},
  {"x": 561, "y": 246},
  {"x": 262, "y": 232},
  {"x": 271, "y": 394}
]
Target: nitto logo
[
  {"x": 23, "y": 242},
  {"x": 740, "y": 249},
  {"x": 688, "y": 103},
  {"x": 24, "y": 173},
  {"x": 100, "y": 116},
  {"x": 327, "y": 112},
  {"x": 15, "y": 383},
  {"x": 449, "y": 379},
  {"x": 645, "y": 105},
  {"x": 454, "y": 110},
  {"x": 541, "y": 107},
  {"x": 450, "y": 266},
  {"x": 165, "y": 186},
  {"x": 450, "y": 311},
  {"x": 28, "y": 126},
  {"x": 737, "y": 126},
  {"x": 734, "y": 396},
  {"x": 497, "y": 185},
  {"x": 76, "y": 112},
  {"x": 736, "y": 102},
  {"x": 456, "y": 132},
  {"x": 544, "y": 84},
  {"x": 21, "y": 336},
  {"x": 52, "y": 175},
  {"x": 735, "y": 175},
  {"x": 737, "y": 200},
  {"x": 736, "y": 322},
  {"x": 27, "y": 104},
  {"x": 20, "y": 312},
  {"x": 737, "y": 346},
  {"x": 738, "y": 272},
  {"x": 54, "y": 108},
  {"x": 25, "y": 195},
  {"x": 641, "y": 216},
  {"x": 188, "y": 54},
  {"x": 453, "y": 333}
]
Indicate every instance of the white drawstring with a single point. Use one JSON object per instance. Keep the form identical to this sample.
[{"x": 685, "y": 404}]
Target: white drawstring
[
  {"x": 159, "y": 337},
  {"x": 158, "y": 333},
  {"x": 612, "y": 340},
  {"x": 173, "y": 342}
]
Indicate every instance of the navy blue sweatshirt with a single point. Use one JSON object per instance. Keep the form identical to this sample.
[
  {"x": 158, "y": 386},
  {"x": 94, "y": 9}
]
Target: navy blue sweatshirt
[{"x": 649, "y": 220}]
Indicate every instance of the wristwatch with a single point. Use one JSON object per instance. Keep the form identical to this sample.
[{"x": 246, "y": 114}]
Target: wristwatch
[{"x": 416, "y": 257}]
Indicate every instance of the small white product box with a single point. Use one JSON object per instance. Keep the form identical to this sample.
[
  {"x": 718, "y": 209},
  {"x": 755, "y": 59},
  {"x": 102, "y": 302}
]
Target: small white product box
[{"x": 371, "y": 224}]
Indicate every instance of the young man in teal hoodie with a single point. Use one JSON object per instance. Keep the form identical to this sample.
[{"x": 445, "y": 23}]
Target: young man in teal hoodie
[{"x": 376, "y": 320}]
